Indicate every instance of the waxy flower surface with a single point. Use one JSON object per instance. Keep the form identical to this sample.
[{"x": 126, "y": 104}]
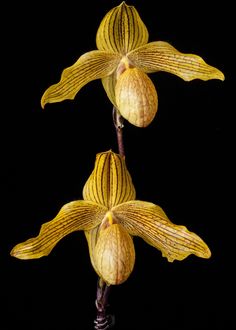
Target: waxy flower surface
[
  {"x": 122, "y": 60},
  {"x": 110, "y": 216}
]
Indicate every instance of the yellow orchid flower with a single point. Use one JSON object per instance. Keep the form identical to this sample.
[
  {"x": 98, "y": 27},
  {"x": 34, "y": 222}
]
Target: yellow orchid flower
[
  {"x": 122, "y": 61},
  {"x": 110, "y": 217}
]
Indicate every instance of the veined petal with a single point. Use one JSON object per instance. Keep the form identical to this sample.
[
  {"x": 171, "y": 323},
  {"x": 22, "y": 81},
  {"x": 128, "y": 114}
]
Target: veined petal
[
  {"x": 92, "y": 236},
  {"x": 109, "y": 84},
  {"x": 136, "y": 97},
  {"x": 77, "y": 215},
  {"x": 161, "y": 56},
  {"x": 90, "y": 66},
  {"x": 110, "y": 182},
  {"x": 149, "y": 221},
  {"x": 121, "y": 30}
]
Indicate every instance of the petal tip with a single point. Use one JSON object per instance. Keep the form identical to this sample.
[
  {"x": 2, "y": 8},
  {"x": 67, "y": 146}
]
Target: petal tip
[
  {"x": 13, "y": 252},
  {"x": 43, "y": 102},
  {"x": 206, "y": 254},
  {"x": 221, "y": 76},
  {"x": 17, "y": 252},
  {"x": 46, "y": 97},
  {"x": 216, "y": 74}
]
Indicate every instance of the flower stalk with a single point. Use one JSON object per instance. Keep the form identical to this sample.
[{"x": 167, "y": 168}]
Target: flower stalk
[
  {"x": 103, "y": 319},
  {"x": 118, "y": 123}
]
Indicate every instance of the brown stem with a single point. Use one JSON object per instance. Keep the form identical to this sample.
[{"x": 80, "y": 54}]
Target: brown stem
[
  {"x": 103, "y": 320},
  {"x": 118, "y": 121}
]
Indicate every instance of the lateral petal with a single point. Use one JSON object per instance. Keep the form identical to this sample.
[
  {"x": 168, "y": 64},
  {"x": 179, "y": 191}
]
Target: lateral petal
[
  {"x": 109, "y": 84},
  {"x": 161, "y": 56},
  {"x": 110, "y": 182},
  {"x": 150, "y": 222},
  {"x": 90, "y": 66},
  {"x": 121, "y": 30},
  {"x": 92, "y": 237},
  {"x": 77, "y": 215}
]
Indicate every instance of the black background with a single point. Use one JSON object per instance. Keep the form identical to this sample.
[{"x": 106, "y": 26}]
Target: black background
[{"x": 183, "y": 162}]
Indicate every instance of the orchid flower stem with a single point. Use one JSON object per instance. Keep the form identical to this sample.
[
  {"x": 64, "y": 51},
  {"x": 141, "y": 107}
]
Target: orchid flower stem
[
  {"x": 118, "y": 123},
  {"x": 104, "y": 321}
]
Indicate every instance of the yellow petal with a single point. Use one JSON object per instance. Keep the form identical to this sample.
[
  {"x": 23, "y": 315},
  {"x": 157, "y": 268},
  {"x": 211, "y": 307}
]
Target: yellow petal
[
  {"x": 110, "y": 182},
  {"x": 121, "y": 30},
  {"x": 77, "y": 215},
  {"x": 109, "y": 83},
  {"x": 136, "y": 97},
  {"x": 149, "y": 221},
  {"x": 90, "y": 66},
  {"x": 92, "y": 236},
  {"x": 161, "y": 56}
]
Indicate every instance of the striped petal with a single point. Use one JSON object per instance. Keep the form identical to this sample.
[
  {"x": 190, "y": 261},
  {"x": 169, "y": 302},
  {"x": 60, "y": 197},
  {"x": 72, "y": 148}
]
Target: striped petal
[
  {"x": 121, "y": 30},
  {"x": 149, "y": 221},
  {"x": 90, "y": 66},
  {"x": 161, "y": 56},
  {"x": 92, "y": 236},
  {"x": 77, "y": 215},
  {"x": 110, "y": 182},
  {"x": 109, "y": 84}
]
